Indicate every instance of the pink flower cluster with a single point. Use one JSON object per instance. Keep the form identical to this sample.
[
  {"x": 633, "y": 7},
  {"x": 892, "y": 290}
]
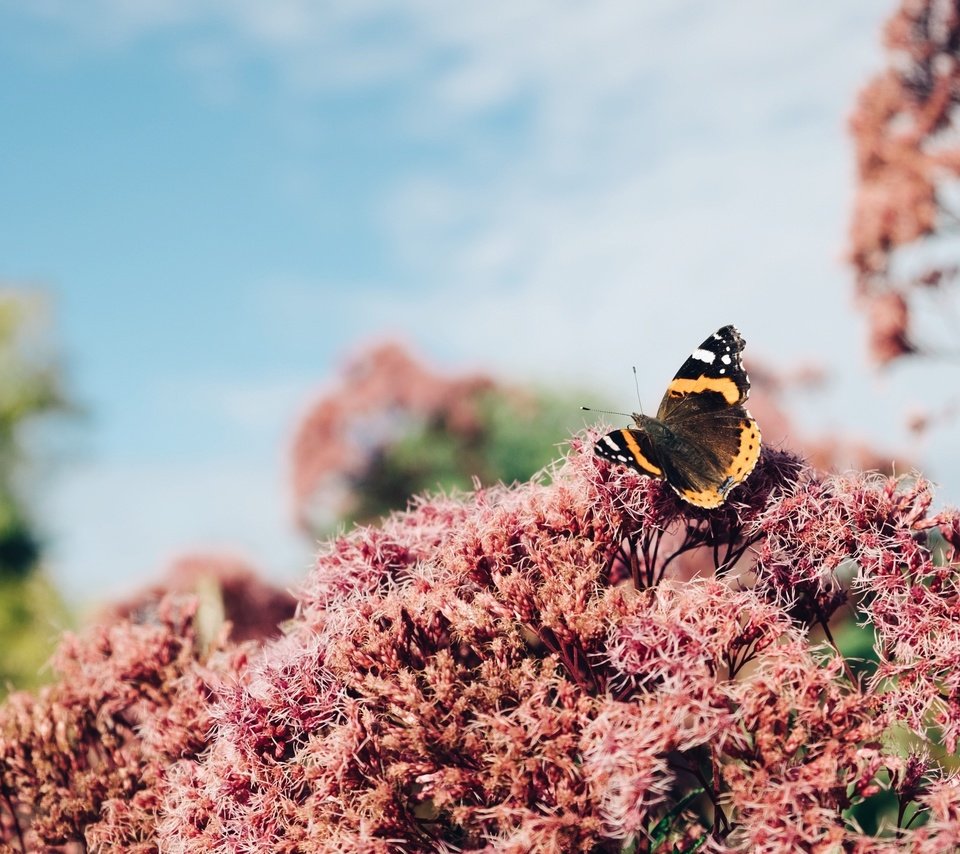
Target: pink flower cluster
[
  {"x": 908, "y": 161},
  {"x": 381, "y": 387},
  {"x": 88, "y": 759},
  {"x": 579, "y": 663}
]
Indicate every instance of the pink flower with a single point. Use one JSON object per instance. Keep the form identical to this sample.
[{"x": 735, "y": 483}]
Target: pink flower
[
  {"x": 907, "y": 159},
  {"x": 89, "y": 758},
  {"x": 528, "y": 669}
]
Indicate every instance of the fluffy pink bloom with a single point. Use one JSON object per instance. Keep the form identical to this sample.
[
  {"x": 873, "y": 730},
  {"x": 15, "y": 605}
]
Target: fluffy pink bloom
[
  {"x": 488, "y": 681},
  {"x": 88, "y": 759},
  {"x": 525, "y": 669}
]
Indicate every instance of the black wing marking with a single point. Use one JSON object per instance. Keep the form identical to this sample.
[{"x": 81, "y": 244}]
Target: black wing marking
[
  {"x": 632, "y": 448},
  {"x": 709, "y": 381}
]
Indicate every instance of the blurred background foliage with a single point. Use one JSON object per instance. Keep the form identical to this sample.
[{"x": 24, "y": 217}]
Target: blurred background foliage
[
  {"x": 514, "y": 437},
  {"x": 31, "y": 393},
  {"x": 392, "y": 427}
]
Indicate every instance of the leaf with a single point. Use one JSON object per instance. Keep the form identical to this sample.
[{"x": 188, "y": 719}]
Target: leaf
[{"x": 662, "y": 828}]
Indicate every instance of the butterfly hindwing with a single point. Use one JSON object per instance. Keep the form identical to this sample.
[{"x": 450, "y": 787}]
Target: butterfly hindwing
[{"x": 712, "y": 454}]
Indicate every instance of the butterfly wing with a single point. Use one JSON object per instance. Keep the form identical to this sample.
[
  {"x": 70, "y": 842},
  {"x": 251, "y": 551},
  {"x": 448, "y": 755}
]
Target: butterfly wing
[
  {"x": 716, "y": 442},
  {"x": 711, "y": 459},
  {"x": 631, "y": 448},
  {"x": 712, "y": 378}
]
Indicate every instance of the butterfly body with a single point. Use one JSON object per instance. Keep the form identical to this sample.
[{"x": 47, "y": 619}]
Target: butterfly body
[{"x": 703, "y": 441}]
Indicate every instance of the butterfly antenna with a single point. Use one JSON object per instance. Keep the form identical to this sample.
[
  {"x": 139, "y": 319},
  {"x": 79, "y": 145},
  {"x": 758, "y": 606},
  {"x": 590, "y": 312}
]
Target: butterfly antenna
[
  {"x": 606, "y": 412},
  {"x": 636, "y": 385}
]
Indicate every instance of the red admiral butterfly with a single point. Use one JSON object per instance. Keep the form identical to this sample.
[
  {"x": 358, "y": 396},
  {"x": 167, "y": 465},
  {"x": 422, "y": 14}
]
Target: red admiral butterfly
[{"x": 703, "y": 441}]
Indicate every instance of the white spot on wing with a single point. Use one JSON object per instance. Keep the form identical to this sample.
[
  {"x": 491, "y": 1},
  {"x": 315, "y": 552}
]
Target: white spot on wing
[
  {"x": 725, "y": 358},
  {"x": 703, "y": 356},
  {"x": 610, "y": 443}
]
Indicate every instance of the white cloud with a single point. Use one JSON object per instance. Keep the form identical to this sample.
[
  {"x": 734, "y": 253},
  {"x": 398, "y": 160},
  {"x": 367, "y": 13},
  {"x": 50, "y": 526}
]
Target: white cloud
[{"x": 678, "y": 164}]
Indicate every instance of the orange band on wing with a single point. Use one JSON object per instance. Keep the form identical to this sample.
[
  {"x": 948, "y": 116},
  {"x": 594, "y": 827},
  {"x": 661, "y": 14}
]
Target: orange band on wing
[
  {"x": 707, "y": 498},
  {"x": 721, "y": 385},
  {"x": 738, "y": 470},
  {"x": 638, "y": 456},
  {"x": 749, "y": 452}
]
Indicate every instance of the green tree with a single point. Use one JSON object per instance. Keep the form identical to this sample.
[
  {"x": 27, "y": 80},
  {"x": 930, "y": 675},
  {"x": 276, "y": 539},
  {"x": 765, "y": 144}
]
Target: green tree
[{"x": 31, "y": 390}]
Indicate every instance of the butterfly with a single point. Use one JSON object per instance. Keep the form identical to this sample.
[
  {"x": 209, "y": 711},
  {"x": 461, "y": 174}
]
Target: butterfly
[{"x": 703, "y": 441}]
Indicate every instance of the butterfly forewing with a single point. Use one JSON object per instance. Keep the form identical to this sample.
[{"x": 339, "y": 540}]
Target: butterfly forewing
[
  {"x": 711, "y": 380},
  {"x": 632, "y": 448}
]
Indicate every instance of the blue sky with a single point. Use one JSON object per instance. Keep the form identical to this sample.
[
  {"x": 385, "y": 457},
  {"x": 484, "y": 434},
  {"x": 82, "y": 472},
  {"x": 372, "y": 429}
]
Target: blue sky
[{"x": 225, "y": 197}]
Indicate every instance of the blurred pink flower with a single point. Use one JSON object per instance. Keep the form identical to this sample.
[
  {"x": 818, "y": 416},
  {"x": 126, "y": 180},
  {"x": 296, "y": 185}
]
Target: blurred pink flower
[
  {"x": 88, "y": 759},
  {"x": 908, "y": 161},
  {"x": 382, "y": 387},
  {"x": 254, "y": 608}
]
